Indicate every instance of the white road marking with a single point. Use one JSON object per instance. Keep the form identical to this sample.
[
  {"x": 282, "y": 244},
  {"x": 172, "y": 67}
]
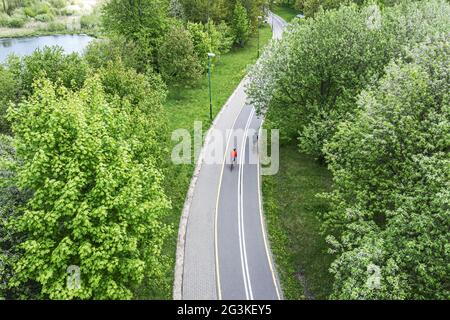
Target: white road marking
[
  {"x": 219, "y": 290},
  {"x": 246, "y": 273},
  {"x": 243, "y": 247}
]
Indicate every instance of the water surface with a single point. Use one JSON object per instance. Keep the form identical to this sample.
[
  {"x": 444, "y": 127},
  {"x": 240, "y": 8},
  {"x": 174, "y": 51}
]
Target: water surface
[{"x": 26, "y": 46}]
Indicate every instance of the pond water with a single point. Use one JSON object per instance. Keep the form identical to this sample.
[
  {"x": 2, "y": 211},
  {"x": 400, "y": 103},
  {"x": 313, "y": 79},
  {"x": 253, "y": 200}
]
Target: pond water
[{"x": 25, "y": 46}]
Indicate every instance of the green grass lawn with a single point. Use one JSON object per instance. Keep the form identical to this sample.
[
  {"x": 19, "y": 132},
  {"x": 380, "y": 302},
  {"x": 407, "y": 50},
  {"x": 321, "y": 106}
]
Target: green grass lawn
[
  {"x": 287, "y": 13},
  {"x": 183, "y": 107},
  {"x": 292, "y": 210}
]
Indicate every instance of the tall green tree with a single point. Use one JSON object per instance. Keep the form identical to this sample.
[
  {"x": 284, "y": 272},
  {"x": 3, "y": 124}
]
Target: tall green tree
[
  {"x": 18, "y": 74},
  {"x": 392, "y": 180},
  {"x": 240, "y": 24},
  {"x": 144, "y": 22},
  {"x": 209, "y": 37},
  {"x": 317, "y": 70},
  {"x": 178, "y": 61},
  {"x": 204, "y": 10},
  {"x": 222, "y": 10},
  {"x": 97, "y": 198}
]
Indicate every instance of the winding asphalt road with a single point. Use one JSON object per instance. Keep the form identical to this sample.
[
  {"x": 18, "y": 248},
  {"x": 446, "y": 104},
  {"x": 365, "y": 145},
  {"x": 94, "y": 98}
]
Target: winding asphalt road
[
  {"x": 224, "y": 251},
  {"x": 243, "y": 260},
  {"x": 244, "y": 267}
]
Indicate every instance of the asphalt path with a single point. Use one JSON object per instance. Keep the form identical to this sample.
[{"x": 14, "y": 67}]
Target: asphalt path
[
  {"x": 244, "y": 267},
  {"x": 224, "y": 253}
]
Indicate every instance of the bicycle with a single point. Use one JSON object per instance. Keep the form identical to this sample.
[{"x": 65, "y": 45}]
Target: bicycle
[{"x": 233, "y": 162}]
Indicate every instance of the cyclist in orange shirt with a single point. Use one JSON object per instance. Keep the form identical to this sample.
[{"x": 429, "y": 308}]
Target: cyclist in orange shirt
[{"x": 233, "y": 157}]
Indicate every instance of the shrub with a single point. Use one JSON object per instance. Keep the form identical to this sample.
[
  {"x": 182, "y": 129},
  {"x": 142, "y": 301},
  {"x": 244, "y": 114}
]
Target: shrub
[
  {"x": 59, "y": 4},
  {"x": 67, "y": 12},
  {"x": 89, "y": 21},
  {"x": 17, "y": 21},
  {"x": 18, "y": 12},
  {"x": 29, "y": 12},
  {"x": 225, "y": 40},
  {"x": 43, "y": 8},
  {"x": 219, "y": 37},
  {"x": 240, "y": 24},
  {"x": 44, "y": 17},
  {"x": 201, "y": 41},
  {"x": 50, "y": 62},
  {"x": 143, "y": 23},
  {"x": 177, "y": 60},
  {"x": 100, "y": 52},
  {"x": 4, "y": 20},
  {"x": 55, "y": 26},
  {"x": 209, "y": 38}
]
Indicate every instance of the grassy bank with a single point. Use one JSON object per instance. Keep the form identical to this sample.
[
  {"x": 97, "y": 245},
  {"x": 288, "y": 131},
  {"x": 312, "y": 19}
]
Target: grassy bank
[
  {"x": 24, "y": 33},
  {"x": 285, "y": 12},
  {"x": 37, "y": 18},
  {"x": 186, "y": 105},
  {"x": 292, "y": 210}
]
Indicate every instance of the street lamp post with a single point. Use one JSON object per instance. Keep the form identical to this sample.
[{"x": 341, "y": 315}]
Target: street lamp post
[{"x": 210, "y": 56}]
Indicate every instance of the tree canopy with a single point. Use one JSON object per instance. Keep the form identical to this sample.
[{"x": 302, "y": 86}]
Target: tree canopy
[
  {"x": 308, "y": 82},
  {"x": 365, "y": 89},
  {"x": 90, "y": 160},
  {"x": 391, "y": 197}
]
